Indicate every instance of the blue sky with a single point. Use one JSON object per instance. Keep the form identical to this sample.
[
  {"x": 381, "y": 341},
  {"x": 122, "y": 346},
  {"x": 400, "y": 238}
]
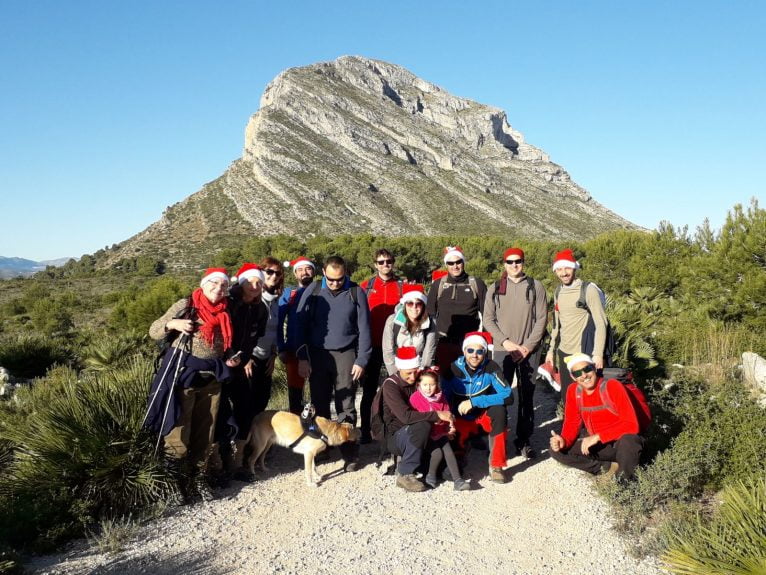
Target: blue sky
[{"x": 112, "y": 111}]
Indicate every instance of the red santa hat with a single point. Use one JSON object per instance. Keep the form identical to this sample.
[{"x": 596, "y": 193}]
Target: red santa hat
[
  {"x": 299, "y": 263},
  {"x": 454, "y": 252},
  {"x": 565, "y": 259},
  {"x": 413, "y": 292},
  {"x": 407, "y": 358},
  {"x": 513, "y": 252},
  {"x": 212, "y": 274},
  {"x": 248, "y": 271},
  {"x": 482, "y": 338}
]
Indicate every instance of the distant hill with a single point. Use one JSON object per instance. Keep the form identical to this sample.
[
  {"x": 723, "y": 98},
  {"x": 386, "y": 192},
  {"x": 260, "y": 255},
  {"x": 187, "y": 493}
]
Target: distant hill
[
  {"x": 364, "y": 146},
  {"x": 20, "y": 267}
]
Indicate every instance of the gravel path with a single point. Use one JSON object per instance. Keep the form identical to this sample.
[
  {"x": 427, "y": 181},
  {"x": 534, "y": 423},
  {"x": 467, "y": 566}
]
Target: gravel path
[{"x": 546, "y": 520}]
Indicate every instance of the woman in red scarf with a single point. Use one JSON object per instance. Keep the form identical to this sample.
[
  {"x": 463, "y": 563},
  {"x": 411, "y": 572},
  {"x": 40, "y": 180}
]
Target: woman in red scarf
[{"x": 200, "y": 329}]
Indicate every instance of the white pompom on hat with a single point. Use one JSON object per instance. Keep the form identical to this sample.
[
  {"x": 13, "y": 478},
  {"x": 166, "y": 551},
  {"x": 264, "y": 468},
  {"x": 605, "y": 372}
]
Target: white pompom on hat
[
  {"x": 407, "y": 358},
  {"x": 452, "y": 252},
  {"x": 212, "y": 274}
]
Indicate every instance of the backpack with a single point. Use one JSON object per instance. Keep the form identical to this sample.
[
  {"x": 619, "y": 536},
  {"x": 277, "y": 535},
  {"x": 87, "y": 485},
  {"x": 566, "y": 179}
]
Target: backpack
[
  {"x": 637, "y": 397},
  {"x": 610, "y": 346},
  {"x": 317, "y": 285},
  {"x": 377, "y": 425},
  {"x": 500, "y": 287},
  {"x": 471, "y": 284}
]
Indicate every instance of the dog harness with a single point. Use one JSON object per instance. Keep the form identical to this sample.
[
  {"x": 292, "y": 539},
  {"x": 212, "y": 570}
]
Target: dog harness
[{"x": 310, "y": 427}]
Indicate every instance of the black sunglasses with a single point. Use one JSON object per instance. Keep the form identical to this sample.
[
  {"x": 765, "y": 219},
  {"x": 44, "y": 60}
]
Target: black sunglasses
[
  {"x": 272, "y": 272},
  {"x": 477, "y": 351},
  {"x": 385, "y": 262},
  {"x": 587, "y": 369},
  {"x": 455, "y": 263},
  {"x": 514, "y": 262}
]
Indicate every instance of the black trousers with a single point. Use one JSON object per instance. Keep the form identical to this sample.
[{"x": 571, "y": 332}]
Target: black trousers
[
  {"x": 408, "y": 443},
  {"x": 331, "y": 375},
  {"x": 626, "y": 451},
  {"x": 370, "y": 384},
  {"x": 249, "y": 395},
  {"x": 525, "y": 372}
]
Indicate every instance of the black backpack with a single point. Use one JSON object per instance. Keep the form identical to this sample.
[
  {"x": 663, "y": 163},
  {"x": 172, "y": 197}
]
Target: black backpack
[{"x": 377, "y": 425}]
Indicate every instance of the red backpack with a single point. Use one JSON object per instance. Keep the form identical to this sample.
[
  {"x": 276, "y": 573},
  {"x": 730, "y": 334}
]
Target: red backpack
[{"x": 637, "y": 397}]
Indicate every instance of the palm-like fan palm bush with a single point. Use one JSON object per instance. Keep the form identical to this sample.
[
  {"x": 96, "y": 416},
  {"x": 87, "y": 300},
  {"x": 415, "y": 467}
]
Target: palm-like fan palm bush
[
  {"x": 84, "y": 449},
  {"x": 634, "y": 319},
  {"x": 733, "y": 543}
]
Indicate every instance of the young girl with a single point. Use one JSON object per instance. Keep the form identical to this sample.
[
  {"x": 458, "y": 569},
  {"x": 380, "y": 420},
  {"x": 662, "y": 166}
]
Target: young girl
[{"x": 428, "y": 397}]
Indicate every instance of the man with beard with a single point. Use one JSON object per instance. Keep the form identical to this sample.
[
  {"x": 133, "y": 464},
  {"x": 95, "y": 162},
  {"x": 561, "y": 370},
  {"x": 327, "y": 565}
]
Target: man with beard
[
  {"x": 456, "y": 301},
  {"x": 577, "y": 327},
  {"x": 303, "y": 270}
]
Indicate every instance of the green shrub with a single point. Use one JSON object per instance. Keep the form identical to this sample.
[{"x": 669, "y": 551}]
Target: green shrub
[
  {"x": 137, "y": 311},
  {"x": 31, "y": 355},
  {"x": 80, "y": 455},
  {"x": 734, "y": 542}
]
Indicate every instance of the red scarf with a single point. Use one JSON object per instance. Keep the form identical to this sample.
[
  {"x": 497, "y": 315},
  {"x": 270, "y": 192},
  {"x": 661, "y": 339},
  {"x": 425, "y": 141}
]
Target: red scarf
[{"x": 214, "y": 319}]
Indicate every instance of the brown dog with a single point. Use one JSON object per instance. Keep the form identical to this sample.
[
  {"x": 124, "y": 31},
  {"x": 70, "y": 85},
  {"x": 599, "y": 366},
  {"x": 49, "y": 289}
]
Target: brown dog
[{"x": 284, "y": 428}]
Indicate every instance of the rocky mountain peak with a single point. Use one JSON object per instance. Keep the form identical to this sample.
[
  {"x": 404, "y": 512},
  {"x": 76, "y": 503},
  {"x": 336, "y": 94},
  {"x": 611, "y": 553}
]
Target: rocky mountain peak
[{"x": 364, "y": 146}]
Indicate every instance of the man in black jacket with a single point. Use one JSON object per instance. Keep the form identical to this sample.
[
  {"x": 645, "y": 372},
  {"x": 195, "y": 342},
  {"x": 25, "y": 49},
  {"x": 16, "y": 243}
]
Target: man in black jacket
[{"x": 456, "y": 301}]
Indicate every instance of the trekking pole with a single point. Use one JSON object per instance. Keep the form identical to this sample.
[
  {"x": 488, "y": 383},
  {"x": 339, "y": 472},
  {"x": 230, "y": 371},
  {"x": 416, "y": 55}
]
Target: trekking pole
[
  {"x": 173, "y": 357},
  {"x": 183, "y": 341}
]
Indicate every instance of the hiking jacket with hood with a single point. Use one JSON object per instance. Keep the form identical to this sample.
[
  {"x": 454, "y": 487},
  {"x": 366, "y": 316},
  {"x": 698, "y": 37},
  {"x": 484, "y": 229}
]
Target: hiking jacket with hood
[{"x": 485, "y": 386}]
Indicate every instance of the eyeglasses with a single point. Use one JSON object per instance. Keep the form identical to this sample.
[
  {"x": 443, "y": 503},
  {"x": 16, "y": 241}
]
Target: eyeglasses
[
  {"x": 477, "y": 351},
  {"x": 413, "y": 303},
  {"x": 514, "y": 262},
  {"x": 587, "y": 369},
  {"x": 272, "y": 272},
  {"x": 388, "y": 262},
  {"x": 455, "y": 263}
]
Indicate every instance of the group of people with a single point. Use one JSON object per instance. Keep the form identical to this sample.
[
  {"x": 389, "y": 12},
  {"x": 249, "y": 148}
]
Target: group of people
[{"x": 449, "y": 358}]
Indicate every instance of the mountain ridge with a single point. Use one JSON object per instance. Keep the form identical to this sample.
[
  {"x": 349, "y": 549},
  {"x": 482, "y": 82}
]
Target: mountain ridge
[{"x": 364, "y": 146}]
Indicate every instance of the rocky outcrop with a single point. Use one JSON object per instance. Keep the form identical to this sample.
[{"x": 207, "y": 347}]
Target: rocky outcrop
[{"x": 359, "y": 145}]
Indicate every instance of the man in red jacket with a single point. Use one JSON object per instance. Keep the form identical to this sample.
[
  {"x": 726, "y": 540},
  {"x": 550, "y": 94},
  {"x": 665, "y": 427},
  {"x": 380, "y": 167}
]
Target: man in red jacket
[
  {"x": 383, "y": 293},
  {"x": 612, "y": 429}
]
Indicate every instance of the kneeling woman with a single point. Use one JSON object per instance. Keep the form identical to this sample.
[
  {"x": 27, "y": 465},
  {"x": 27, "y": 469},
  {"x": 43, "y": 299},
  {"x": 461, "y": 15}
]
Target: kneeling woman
[{"x": 185, "y": 393}]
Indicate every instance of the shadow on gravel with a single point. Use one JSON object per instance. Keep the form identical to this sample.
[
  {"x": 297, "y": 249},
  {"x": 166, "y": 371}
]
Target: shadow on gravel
[{"x": 187, "y": 562}]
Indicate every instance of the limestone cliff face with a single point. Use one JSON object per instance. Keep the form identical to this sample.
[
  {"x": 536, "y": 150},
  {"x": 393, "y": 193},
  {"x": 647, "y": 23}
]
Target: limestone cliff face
[{"x": 359, "y": 145}]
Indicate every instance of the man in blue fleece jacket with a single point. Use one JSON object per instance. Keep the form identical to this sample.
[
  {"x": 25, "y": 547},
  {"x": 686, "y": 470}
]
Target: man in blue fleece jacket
[{"x": 333, "y": 340}]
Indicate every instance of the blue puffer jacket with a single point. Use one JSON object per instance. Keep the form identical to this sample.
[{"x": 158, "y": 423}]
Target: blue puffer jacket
[{"x": 484, "y": 386}]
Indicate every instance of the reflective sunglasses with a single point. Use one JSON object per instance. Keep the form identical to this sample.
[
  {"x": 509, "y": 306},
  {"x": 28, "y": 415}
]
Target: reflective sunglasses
[
  {"x": 477, "y": 351},
  {"x": 587, "y": 369},
  {"x": 455, "y": 263},
  {"x": 387, "y": 262},
  {"x": 514, "y": 262}
]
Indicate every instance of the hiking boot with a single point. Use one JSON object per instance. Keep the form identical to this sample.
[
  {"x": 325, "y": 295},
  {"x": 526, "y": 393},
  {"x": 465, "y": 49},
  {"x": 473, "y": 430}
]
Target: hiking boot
[
  {"x": 408, "y": 482},
  {"x": 431, "y": 481},
  {"x": 201, "y": 488},
  {"x": 462, "y": 485},
  {"x": 351, "y": 466},
  {"x": 527, "y": 452},
  {"x": 243, "y": 474},
  {"x": 497, "y": 475}
]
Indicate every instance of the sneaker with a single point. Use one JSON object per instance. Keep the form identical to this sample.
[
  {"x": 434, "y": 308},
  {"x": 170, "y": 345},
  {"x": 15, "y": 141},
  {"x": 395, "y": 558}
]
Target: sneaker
[
  {"x": 431, "y": 481},
  {"x": 496, "y": 475},
  {"x": 409, "y": 483},
  {"x": 527, "y": 452},
  {"x": 462, "y": 485}
]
